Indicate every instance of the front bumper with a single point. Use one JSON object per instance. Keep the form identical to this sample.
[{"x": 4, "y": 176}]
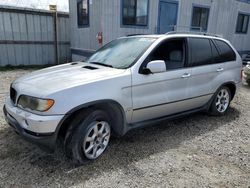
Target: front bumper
[{"x": 40, "y": 130}]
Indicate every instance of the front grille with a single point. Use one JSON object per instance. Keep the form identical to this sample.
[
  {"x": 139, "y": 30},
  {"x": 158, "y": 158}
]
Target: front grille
[{"x": 13, "y": 95}]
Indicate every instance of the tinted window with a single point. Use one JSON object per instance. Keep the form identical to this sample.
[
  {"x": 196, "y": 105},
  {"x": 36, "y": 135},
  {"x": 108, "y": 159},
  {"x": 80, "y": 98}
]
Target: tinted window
[
  {"x": 135, "y": 12},
  {"x": 172, "y": 52},
  {"x": 200, "y": 18},
  {"x": 83, "y": 12},
  {"x": 226, "y": 52},
  {"x": 215, "y": 52},
  {"x": 201, "y": 53}
]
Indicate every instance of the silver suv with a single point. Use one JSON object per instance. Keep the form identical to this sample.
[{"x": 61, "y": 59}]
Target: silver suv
[{"x": 128, "y": 83}]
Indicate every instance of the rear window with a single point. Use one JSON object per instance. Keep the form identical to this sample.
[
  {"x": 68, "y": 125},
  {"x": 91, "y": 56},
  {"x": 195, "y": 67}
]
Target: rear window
[
  {"x": 201, "y": 53},
  {"x": 225, "y": 51}
]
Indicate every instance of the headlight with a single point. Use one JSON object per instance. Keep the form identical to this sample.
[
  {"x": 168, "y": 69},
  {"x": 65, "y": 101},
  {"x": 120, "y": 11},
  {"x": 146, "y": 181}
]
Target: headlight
[{"x": 33, "y": 103}]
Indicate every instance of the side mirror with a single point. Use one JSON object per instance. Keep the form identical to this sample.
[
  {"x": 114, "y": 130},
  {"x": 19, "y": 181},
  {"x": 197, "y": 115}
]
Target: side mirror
[{"x": 156, "y": 66}]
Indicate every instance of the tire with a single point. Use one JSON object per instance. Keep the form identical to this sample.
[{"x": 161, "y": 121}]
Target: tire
[
  {"x": 87, "y": 136},
  {"x": 221, "y": 101}
]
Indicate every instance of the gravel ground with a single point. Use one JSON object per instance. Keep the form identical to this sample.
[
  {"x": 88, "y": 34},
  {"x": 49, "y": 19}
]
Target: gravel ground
[{"x": 197, "y": 151}]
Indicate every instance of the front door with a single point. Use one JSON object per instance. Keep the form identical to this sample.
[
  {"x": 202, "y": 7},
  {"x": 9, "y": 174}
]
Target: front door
[
  {"x": 160, "y": 94},
  {"x": 167, "y": 16}
]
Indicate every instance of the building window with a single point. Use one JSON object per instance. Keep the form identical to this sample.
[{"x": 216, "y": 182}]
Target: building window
[
  {"x": 83, "y": 13},
  {"x": 200, "y": 18},
  {"x": 242, "y": 23},
  {"x": 135, "y": 12}
]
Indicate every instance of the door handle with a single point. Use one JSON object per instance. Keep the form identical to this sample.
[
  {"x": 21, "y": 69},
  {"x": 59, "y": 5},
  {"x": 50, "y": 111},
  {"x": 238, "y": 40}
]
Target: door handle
[
  {"x": 186, "y": 75},
  {"x": 220, "y": 69}
]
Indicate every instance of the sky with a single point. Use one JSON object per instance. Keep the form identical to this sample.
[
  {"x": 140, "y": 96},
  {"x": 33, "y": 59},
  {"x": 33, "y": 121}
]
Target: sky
[{"x": 62, "y": 5}]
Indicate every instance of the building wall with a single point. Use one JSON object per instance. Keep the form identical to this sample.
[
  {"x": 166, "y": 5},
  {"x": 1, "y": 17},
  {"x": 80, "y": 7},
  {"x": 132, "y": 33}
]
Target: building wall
[
  {"x": 112, "y": 19},
  {"x": 85, "y": 37},
  {"x": 222, "y": 19},
  {"x": 105, "y": 16},
  {"x": 27, "y": 37}
]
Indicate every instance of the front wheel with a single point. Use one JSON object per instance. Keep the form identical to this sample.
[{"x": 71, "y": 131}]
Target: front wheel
[
  {"x": 221, "y": 102},
  {"x": 88, "y": 136},
  {"x": 96, "y": 140}
]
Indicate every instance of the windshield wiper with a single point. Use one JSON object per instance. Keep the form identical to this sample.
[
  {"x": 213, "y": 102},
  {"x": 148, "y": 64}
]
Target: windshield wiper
[{"x": 103, "y": 64}]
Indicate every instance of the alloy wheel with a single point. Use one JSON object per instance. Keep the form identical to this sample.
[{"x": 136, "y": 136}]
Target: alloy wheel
[
  {"x": 222, "y": 100},
  {"x": 96, "y": 140}
]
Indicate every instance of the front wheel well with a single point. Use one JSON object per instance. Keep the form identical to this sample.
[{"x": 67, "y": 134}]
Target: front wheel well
[{"x": 113, "y": 109}]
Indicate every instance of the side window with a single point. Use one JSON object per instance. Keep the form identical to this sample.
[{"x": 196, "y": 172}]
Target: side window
[
  {"x": 200, "y": 52},
  {"x": 226, "y": 52},
  {"x": 83, "y": 13},
  {"x": 172, "y": 52},
  {"x": 216, "y": 55}
]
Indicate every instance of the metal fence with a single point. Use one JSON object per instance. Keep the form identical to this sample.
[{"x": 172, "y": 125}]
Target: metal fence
[{"x": 33, "y": 37}]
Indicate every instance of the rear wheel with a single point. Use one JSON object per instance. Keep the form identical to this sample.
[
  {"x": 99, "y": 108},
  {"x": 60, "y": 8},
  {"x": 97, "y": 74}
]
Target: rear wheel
[
  {"x": 221, "y": 101},
  {"x": 88, "y": 136}
]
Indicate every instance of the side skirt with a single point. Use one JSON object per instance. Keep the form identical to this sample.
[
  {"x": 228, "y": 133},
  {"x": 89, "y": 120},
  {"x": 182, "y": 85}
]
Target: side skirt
[{"x": 155, "y": 121}]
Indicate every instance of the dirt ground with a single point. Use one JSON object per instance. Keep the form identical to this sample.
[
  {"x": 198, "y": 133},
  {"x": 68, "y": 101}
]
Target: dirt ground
[{"x": 196, "y": 151}]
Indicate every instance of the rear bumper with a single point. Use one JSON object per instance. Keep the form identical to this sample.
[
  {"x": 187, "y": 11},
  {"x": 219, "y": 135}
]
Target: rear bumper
[{"x": 47, "y": 141}]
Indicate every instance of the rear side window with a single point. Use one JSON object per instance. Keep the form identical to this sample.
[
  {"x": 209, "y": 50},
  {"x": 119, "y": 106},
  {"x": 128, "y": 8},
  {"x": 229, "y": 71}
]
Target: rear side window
[
  {"x": 201, "y": 53},
  {"x": 226, "y": 52},
  {"x": 215, "y": 52}
]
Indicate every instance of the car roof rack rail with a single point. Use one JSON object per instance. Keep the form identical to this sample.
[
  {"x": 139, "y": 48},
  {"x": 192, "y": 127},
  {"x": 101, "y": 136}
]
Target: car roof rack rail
[
  {"x": 194, "y": 33},
  {"x": 131, "y": 35}
]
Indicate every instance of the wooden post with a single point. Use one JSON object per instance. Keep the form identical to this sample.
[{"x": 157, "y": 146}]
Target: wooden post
[{"x": 54, "y": 9}]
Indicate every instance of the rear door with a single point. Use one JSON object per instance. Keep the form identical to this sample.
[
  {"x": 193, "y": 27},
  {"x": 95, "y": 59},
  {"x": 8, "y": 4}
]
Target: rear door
[{"x": 204, "y": 70}]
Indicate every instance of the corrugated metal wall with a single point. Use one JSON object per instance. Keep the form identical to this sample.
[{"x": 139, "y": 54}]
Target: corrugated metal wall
[
  {"x": 105, "y": 16},
  {"x": 85, "y": 37},
  {"x": 27, "y": 37},
  {"x": 222, "y": 19}
]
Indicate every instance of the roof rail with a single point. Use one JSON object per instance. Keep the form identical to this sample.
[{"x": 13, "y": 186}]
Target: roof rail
[
  {"x": 195, "y": 33},
  {"x": 131, "y": 35}
]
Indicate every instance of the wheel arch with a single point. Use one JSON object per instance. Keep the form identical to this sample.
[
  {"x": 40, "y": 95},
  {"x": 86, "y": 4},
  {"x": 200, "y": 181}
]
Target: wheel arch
[
  {"x": 231, "y": 86},
  {"x": 113, "y": 108}
]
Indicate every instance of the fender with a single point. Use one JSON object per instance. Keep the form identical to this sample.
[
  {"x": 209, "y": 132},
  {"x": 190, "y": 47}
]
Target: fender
[
  {"x": 217, "y": 90},
  {"x": 120, "y": 128},
  {"x": 229, "y": 83}
]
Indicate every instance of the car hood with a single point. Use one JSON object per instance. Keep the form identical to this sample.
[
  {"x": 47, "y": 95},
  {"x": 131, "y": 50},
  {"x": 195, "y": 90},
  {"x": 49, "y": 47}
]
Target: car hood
[{"x": 65, "y": 76}]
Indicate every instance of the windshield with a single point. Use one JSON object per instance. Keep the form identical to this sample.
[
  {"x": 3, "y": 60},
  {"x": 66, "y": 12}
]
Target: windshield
[{"x": 121, "y": 53}]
